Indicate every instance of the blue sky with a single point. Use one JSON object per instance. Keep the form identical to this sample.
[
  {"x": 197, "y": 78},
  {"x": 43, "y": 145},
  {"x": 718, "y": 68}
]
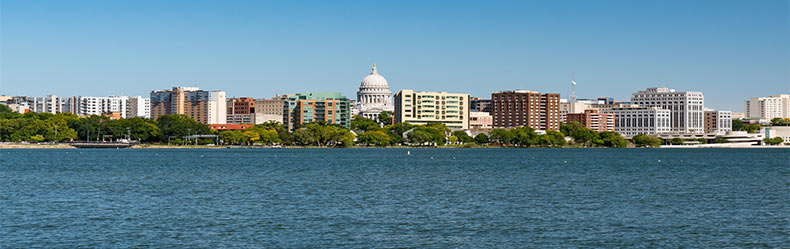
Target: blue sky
[{"x": 729, "y": 50}]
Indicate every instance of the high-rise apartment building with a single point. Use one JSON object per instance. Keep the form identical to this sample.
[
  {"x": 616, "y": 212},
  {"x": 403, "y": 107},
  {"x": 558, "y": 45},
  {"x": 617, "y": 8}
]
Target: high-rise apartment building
[
  {"x": 594, "y": 120},
  {"x": 686, "y": 108},
  {"x": 632, "y": 121},
  {"x": 526, "y": 108},
  {"x": 417, "y": 107},
  {"x": 138, "y": 106},
  {"x": 102, "y": 105},
  {"x": 304, "y": 108},
  {"x": 718, "y": 121},
  {"x": 774, "y": 106},
  {"x": 208, "y": 107}
]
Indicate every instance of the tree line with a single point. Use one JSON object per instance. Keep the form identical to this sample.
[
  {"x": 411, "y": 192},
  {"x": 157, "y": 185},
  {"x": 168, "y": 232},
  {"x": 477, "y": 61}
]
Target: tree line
[{"x": 180, "y": 129}]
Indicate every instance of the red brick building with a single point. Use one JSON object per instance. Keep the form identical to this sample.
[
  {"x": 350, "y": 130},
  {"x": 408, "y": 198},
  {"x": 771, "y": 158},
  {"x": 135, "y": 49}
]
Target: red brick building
[
  {"x": 538, "y": 111},
  {"x": 594, "y": 120},
  {"x": 244, "y": 105}
]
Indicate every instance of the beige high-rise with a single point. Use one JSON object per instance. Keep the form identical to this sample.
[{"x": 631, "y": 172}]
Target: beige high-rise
[{"x": 451, "y": 109}]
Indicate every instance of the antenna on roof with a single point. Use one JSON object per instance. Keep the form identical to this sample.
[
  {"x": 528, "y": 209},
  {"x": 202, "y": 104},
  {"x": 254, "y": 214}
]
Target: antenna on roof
[{"x": 573, "y": 87}]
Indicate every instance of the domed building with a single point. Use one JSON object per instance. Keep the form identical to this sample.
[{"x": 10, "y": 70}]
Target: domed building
[{"x": 374, "y": 96}]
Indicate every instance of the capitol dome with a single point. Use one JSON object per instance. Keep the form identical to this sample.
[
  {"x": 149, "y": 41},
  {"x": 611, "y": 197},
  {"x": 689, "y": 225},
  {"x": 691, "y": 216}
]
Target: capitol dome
[
  {"x": 374, "y": 95},
  {"x": 374, "y": 89}
]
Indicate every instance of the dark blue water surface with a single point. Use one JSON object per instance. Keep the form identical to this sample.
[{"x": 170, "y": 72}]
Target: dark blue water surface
[{"x": 380, "y": 198}]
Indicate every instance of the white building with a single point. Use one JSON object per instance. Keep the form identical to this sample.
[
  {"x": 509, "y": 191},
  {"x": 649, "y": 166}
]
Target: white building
[
  {"x": 138, "y": 106},
  {"x": 373, "y": 97},
  {"x": 775, "y": 106},
  {"x": 101, "y": 105},
  {"x": 633, "y": 121},
  {"x": 776, "y": 131},
  {"x": 718, "y": 121},
  {"x": 686, "y": 108}
]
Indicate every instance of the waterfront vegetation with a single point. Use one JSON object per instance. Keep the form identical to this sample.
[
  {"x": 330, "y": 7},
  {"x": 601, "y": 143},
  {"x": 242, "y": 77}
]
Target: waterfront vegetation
[{"x": 182, "y": 130}]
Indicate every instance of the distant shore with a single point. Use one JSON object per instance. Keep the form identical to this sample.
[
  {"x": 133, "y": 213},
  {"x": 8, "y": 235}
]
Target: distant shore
[{"x": 164, "y": 146}]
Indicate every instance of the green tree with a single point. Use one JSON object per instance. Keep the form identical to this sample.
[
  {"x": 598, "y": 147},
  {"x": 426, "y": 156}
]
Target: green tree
[
  {"x": 250, "y": 136},
  {"x": 780, "y": 122},
  {"x": 676, "y": 141},
  {"x": 501, "y": 136},
  {"x": 583, "y": 135},
  {"x": 385, "y": 118},
  {"x": 571, "y": 127},
  {"x": 751, "y": 128},
  {"x": 773, "y": 141},
  {"x": 362, "y": 123},
  {"x": 228, "y": 137},
  {"x": 303, "y": 137},
  {"x": 37, "y": 138},
  {"x": 375, "y": 137},
  {"x": 737, "y": 125},
  {"x": 419, "y": 137},
  {"x": 523, "y": 136},
  {"x": 481, "y": 139},
  {"x": 180, "y": 125},
  {"x": 463, "y": 137},
  {"x": 555, "y": 138},
  {"x": 643, "y": 140},
  {"x": 612, "y": 139}
]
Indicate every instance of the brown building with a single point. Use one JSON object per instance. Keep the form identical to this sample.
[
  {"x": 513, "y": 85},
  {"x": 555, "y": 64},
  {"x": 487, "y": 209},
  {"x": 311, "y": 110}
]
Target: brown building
[
  {"x": 538, "y": 111},
  {"x": 244, "y": 105},
  {"x": 594, "y": 120}
]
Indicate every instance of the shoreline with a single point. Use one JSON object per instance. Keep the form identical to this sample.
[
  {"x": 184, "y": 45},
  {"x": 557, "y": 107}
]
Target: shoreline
[{"x": 155, "y": 146}]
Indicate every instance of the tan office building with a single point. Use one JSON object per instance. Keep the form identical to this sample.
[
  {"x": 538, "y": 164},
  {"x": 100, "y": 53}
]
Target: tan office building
[{"x": 417, "y": 107}]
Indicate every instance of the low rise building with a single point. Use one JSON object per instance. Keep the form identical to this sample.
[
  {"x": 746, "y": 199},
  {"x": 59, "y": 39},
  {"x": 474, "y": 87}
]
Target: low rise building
[
  {"x": 718, "y": 121},
  {"x": 594, "y": 120},
  {"x": 776, "y": 131},
  {"x": 480, "y": 120},
  {"x": 633, "y": 121},
  {"x": 417, "y": 107}
]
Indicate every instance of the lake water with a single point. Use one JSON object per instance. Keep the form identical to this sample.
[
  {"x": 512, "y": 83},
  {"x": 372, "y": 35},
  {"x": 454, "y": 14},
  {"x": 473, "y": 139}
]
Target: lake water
[{"x": 379, "y": 198}]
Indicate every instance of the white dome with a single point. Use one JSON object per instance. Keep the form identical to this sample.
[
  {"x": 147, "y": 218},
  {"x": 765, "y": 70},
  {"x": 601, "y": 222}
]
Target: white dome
[
  {"x": 374, "y": 90},
  {"x": 374, "y": 80}
]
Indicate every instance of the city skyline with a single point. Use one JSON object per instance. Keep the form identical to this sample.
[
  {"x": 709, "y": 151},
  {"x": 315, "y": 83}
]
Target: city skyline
[{"x": 252, "y": 49}]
